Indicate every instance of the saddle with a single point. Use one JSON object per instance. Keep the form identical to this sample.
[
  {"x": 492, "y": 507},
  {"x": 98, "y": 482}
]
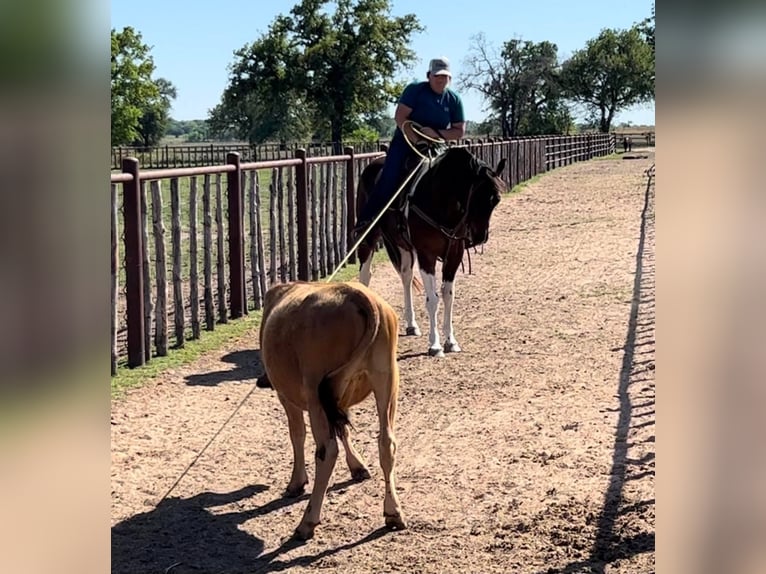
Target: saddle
[{"x": 400, "y": 207}]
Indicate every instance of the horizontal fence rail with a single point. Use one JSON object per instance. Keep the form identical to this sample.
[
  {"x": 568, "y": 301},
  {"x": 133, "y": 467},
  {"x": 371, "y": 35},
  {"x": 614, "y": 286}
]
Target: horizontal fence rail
[
  {"x": 628, "y": 140},
  {"x": 194, "y": 155},
  {"x": 194, "y": 247}
]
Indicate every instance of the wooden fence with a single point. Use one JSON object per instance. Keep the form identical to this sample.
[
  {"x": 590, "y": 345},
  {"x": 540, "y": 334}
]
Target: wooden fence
[
  {"x": 627, "y": 140},
  {"x": 276, "y": 221},
  {"x": 196, "y": 155}
]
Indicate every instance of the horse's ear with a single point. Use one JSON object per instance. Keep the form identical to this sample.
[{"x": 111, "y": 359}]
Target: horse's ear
[{"x": 500, "y": 166}]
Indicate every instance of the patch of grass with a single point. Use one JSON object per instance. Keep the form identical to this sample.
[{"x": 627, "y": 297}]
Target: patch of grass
[
  {"x": 208, "y": 342},
  {"x": 520, "y": 186}
]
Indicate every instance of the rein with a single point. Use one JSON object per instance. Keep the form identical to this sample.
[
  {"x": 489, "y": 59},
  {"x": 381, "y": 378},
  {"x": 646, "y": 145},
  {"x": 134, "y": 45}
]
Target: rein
[
  {"x": 447, "y": 232},
  {"x": 450, "y": 234},
  {"x": 423, "y": 158}
]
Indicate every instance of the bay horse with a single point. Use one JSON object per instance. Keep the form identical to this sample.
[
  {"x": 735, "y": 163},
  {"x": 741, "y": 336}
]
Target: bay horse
[{"x": 448, "y": 211}]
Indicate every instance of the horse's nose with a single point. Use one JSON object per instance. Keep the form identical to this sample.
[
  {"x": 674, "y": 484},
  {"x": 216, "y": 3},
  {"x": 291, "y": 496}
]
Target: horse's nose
[{"x": 480, "y": 237}]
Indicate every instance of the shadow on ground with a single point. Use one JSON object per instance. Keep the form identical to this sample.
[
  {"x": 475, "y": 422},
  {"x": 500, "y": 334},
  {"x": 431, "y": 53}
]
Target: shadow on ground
[
  {"x": 247, "y": 367},
  {"x": 613, "y": 541},
  {"x": 184, "y": 532},
  {"x": 184, "y": 535}
]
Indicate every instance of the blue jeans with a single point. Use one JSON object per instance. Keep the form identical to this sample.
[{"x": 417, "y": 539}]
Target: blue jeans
[{"x": 390, "y": 178}]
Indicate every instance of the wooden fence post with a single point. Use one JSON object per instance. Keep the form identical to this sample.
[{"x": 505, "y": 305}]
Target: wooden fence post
[
  {"x": 301, "y": 191},
  {"x": 236, "y": 237},
  {"x": 134, "y": 265},
  {"x": 350, "y": 199}
]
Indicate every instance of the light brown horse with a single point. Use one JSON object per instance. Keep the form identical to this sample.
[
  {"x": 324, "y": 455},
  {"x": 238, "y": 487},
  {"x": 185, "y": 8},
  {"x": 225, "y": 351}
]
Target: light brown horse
[{"x": 325, "y": 348}]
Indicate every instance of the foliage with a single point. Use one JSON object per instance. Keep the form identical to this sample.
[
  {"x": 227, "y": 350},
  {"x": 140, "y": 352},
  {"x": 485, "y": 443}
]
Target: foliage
[
  {"x": 261, "y": 102},
  {"x": 190, "y": 130},
  {"x": 153, "y": 123},
  {"x": 520, "y": 84},
  {"x": 140, "y": 104},
  {"x": 318, "y": 72},
  {"x": 382, "y": 125},
  {"x": 490, "y": 126},
  {"x": 646, "y": 27},
  {"x": 131, "y": 83},
  {"x": 364, "y": 134},
  {"x": 197, "y": 135},
  {"x": 614, "y": 71}
]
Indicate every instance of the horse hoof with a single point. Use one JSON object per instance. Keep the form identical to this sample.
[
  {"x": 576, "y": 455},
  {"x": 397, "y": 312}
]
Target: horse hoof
[
  {"x": 263, "y": 382},
  {"x": 360, "y": 474},
  {"x": 413, "y": 331},
  {"x": 295, "y": 491},
  {"x": 435, "y": 352},
  {"x": 395, "y": 522},
  {"x": 452, "y": 348},
  {"x": 304, "y": 531}
]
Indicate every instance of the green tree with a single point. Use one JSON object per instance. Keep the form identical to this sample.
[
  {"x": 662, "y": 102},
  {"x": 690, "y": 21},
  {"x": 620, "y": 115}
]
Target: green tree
[
  {"x": 325, "y": 69},
  {"x": 489, "y": 127},
  {"x": 614, "y": 71},
  {"x": 131, "y": 84},
  {"x": 646, "y": 27},
  {"x": 383, "y": 125},
  {"x": 520, "y": 84},
  {"x": 262, "y": 101},
  {"x": 155, "y": 119},
  {"x": 197, "y": 134},
  {"x": 176, "y": 127}
]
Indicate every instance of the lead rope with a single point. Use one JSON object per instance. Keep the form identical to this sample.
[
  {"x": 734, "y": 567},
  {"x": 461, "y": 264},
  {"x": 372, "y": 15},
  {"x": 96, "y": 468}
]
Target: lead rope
[{"x": 417, "y": 129}]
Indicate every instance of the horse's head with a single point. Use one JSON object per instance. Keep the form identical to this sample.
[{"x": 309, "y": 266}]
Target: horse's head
[
  {"x": 483, "y": 197},
  {"x": 457, "y": 195}
]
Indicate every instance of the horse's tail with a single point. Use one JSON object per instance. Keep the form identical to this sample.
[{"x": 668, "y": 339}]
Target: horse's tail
[
  {"x": 396, "y": 259},
  {"x": 367, "y": 182}
]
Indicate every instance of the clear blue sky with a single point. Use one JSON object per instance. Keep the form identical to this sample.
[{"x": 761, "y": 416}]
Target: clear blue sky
[{"x": 193, "y": 41}]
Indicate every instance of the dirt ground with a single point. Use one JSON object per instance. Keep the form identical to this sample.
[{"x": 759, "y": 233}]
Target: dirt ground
[{"x": 532, "y": 451}]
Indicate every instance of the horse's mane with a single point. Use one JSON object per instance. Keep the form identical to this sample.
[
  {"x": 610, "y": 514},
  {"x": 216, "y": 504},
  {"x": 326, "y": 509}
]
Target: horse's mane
[{"x": 460, "y": 158}]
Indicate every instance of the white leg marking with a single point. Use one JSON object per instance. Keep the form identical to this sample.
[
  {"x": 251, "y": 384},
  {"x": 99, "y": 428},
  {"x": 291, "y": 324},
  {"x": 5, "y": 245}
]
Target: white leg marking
[
  {"x": 432, "y": 304},
  {"x": 406, "y": 276},
  {"x": 448, "y": 294},
  {"x": 365, "y": 272}
]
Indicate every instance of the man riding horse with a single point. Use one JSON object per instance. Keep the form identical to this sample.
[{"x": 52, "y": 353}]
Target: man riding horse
[{"x": 439, "y": 112}]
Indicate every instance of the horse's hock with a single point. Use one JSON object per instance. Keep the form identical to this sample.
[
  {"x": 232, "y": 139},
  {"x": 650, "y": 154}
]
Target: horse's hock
[{"x": 531, "y": 451}]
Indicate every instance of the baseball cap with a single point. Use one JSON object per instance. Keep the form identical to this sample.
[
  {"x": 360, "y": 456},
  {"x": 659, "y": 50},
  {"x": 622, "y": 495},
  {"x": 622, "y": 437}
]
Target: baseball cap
[{"x": 439, "y": 67}]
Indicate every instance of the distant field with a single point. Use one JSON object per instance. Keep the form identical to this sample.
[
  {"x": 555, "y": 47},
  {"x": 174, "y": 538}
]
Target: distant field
[{"x": 634, "y": 130}]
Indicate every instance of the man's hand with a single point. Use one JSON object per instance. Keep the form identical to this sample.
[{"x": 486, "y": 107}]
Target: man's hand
[{"x": 432, "y": 133}]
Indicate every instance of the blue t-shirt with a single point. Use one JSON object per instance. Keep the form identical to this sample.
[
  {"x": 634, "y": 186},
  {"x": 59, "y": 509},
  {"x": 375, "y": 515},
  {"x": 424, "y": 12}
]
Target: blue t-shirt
[{"x": 432, "y": 110}]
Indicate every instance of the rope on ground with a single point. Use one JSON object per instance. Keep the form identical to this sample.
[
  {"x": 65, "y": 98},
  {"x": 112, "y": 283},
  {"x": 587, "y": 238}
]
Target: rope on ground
[{"x": 204, "y": 448}]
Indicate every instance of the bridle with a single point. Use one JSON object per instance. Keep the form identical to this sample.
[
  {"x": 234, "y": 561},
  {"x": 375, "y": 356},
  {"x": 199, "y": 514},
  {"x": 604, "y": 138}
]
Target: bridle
[
  {"x": 451, "y": 233},
  {"x": 458, "y": 232}
]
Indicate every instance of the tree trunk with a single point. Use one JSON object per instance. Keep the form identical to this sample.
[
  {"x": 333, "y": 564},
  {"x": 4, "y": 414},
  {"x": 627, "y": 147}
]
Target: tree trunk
[
  {"x": 603, "y": 123},
  {"x": 506, "y": 127},
  {"x": 336, "y": 132},
  {"x": 512, "y": 131},
  {"x": 609, "y": 119}
]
